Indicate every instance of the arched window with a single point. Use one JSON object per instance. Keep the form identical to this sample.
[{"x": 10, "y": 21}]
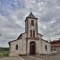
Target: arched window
[
  {"x": 16, "y": 47},
  {"x": 30, "y": 33},
  {"x": 33, "y": 33},
  {"x": 32, "y": 22}
]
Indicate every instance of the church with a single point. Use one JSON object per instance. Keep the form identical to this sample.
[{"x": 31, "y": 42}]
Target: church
[{"x": 30, "y": 42}]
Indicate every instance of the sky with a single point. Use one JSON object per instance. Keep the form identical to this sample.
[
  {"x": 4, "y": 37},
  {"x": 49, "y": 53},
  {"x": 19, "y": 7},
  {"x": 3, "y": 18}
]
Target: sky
[{"x": 14, "y": 12}]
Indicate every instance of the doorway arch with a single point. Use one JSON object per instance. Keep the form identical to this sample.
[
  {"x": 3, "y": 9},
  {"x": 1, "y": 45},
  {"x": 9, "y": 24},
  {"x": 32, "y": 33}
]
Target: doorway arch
[{"x": 32, "y": 48}]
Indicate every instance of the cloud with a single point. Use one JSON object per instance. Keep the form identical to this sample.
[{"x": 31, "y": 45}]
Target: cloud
[{"x": 14, "y": 12}]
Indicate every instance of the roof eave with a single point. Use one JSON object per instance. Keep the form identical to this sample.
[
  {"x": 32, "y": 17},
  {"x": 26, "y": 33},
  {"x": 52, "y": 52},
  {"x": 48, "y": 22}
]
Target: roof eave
[{"x": 32, "y": 18}]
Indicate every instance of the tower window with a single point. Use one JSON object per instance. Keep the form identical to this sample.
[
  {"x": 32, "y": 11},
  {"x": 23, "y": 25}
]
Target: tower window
[
  {"x": 30, "y": 33},
  {"x": 33, "y": 33},
  {"x": 16, "y": 47},
  {"x": 32, "y": 22}
]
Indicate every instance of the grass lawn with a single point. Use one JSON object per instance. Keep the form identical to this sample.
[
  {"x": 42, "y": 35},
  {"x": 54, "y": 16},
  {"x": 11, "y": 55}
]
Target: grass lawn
[{"x": 4, "y": 52}]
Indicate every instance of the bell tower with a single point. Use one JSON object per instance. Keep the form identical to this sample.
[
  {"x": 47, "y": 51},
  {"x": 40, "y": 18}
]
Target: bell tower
[{"x": 31, "y": 26}]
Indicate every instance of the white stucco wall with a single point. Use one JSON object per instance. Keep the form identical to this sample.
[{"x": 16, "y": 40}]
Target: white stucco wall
[
  {"x": 40, "y": 46},
  {"x": 13, "y": 50},
  {"x": 39, "y": 36},
  {"x": 59, "y": 48},
  {"x": 21, "y": 46},
  {"x": 24, "y": 43},
  {"x": 44, "y": 51}
]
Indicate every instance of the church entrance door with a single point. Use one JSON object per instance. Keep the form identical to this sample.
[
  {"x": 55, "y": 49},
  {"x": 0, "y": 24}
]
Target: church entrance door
[{"x": 32, "y": 48}]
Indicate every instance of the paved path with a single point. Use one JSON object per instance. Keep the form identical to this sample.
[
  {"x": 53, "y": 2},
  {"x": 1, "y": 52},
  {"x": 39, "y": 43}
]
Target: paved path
[
  {"x": 39, "y": 57},
  {"x": 36, "y": 57},
  {"x": 30, "y": 58},
  {"x": 11, "y": 58}
]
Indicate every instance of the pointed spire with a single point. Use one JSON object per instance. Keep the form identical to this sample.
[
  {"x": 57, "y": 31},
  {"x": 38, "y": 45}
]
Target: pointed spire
[{"x": 31, "y": 15}]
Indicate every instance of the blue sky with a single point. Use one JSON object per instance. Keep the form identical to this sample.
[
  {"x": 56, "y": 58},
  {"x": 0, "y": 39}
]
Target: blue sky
[{"x": 14, "y": 12}]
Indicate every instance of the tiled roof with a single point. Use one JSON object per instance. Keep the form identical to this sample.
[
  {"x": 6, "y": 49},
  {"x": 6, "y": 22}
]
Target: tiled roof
[{"x": 55, "y": 43}]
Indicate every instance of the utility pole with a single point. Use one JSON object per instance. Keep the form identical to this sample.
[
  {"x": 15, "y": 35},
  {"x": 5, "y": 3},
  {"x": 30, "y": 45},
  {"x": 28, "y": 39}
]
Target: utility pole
[
  {"x": 48, "y": 35},
  {"x": 0, "y": 35}
]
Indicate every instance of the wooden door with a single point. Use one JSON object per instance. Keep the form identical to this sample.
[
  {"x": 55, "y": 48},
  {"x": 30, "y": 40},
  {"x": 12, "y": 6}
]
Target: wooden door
[{"x": 32, "y": 48}]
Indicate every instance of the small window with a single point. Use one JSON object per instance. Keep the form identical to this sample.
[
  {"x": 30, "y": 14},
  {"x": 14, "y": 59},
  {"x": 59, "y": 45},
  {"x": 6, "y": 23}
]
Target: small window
[
  {"x": 33, "y": 33},
  {"x": 30, "y": 33},
  {"x": 54, "y": 49},
  {"x": 32, "y": 22},
  {"x": 51, "y": 49},
  {"x": 16, "y": 47},
  {"x": 45, "y": 47}
]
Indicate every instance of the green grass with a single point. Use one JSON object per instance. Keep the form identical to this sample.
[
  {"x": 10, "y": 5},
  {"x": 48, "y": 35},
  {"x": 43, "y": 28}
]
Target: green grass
[{"x": 4, "y": 52}]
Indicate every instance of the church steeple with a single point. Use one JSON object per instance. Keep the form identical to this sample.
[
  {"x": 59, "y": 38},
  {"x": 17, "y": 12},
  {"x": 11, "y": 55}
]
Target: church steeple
[{"x": 31, "y": 26}]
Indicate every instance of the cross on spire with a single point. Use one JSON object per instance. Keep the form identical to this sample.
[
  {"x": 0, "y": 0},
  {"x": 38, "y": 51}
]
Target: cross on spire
[{"x": 30, "y": 9}]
